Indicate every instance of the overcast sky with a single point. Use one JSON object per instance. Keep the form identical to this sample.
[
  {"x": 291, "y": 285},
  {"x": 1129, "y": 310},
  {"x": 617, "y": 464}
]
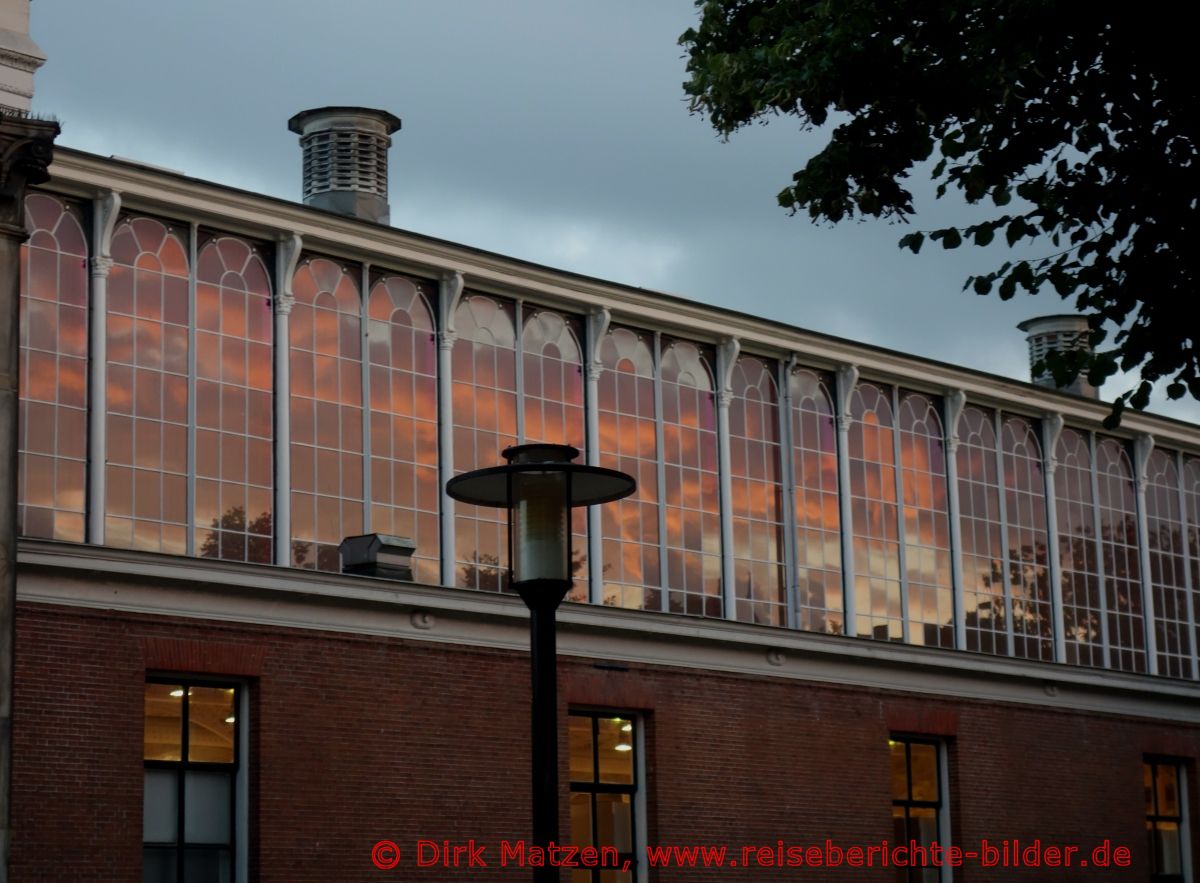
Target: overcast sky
[{"x": 551, "y": 130}]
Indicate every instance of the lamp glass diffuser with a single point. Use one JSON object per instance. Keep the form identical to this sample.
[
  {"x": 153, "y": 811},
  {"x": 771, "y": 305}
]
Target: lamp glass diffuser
[{"x": 541, "y": 526}]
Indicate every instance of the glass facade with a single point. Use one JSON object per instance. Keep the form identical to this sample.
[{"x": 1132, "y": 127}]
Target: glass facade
[{"x": 834, "y": 496}]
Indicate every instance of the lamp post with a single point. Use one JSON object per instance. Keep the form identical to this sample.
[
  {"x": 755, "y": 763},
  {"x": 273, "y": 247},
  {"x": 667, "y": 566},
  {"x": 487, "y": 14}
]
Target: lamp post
[{"x": 539, "y": 486}]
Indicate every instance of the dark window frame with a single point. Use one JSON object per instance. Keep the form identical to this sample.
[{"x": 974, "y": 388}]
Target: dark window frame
[
  {"x": 595, "y": 786},
  {"x": 915, "y": 873},
  {"x": 1153, "y": 818},
  {"x": 183, "y": 766}
]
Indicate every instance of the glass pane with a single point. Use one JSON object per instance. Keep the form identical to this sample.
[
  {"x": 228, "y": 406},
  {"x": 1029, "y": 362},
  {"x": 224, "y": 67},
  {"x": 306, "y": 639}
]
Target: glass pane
[
  {"x": 923, "y": 824},
  {"x": 158, "y": 865},
  {"x": 1168, "y": 789},
  {"x": 206, "y": 866},
  {"x": 614, "y": 821},
  {"x": 899, "y": 770},
  {"x": 211, "y": 723},
  {"x": 1148, "y": 784},
  {"x": 615, "y": 737},
  {"x": 1167, "y": 848},
  {"x": 207, "y": 815},
  {"x": 924, "y": 772},
  {"x": 160, "y": 810},
  {"x": 581, "y": 819},
  {"x": 580, "y": 734},
  {"x": 164, "y": 722}
]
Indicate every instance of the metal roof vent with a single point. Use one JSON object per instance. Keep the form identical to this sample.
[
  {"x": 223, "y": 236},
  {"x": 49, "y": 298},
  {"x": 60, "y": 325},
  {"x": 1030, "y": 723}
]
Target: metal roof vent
[
  {"x": 378, "y": 555},
  {"x": 346, "y": 159},
  {"x": 1060, "y": 333}
]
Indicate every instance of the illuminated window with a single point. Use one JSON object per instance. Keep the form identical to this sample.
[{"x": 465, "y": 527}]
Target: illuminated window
[
  {"x": 918, "y": 805},
  {"x": 404, "y": 444},
  {"x": 190, "y": 809},
  {"x": 926, "y": 524},
  {"x": 604, "y": 764},
  {"x": 1077, "y": 551},
  {"x": 818, "y": 518},
  {"x": 53, "y": 372},
  {"x": 1119, "y": 544},
  {"x": 1166, "y": 831},
  {"x": 691, "y": 494},
  {"x": 1168, "y": 579},
  {"x": 325, "y": 355},
  {"x": 984, "y": 597},
  {"x": 146, "y": 498},
  {"x": 1025, "y": 526},
  {"x": 234, "y": 403},
  {"x": 485, "y": 423},
  {"x": 552, "y": 405},
  {"x": 628, "y": 442},
  {"x": 757, "y": 489},
  {"x": 872, "y": 456}
]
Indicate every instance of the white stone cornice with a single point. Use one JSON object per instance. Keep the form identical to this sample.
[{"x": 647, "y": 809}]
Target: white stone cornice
[{"x": 122, "y": 582}]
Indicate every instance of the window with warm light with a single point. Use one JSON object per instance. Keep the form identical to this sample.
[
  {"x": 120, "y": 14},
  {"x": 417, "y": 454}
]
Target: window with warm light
[
  {"x": 1166, "y": 831},
  {"x": 604, "y": 790},
  {"x": 918, "y": 805},
  {"x": 192, "y": 741}
]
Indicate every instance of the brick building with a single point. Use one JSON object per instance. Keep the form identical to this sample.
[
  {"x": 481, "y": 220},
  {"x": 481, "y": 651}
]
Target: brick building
[{"x": 859, "y": 595}]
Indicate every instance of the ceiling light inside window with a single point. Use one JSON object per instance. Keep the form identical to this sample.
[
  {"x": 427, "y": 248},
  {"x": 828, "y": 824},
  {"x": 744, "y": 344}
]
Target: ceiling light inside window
[{"x": 624, "y": 746}]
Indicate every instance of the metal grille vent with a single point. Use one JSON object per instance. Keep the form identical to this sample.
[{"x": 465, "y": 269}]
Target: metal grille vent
[{"x": 345, "y": 160}]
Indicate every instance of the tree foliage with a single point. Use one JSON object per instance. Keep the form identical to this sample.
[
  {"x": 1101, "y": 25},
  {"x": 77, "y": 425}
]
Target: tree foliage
[{"x": 1076, "y": 122}]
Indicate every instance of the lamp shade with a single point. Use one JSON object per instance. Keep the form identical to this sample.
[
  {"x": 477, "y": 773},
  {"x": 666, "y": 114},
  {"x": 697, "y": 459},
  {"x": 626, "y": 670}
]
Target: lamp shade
[{"x": 539, "y": 486}]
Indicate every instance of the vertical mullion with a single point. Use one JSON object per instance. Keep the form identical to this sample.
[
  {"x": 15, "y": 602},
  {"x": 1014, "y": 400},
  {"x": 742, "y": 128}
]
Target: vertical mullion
[
  {"x": 787, "y": 477},
  {"x": 1002, "y": 506},
  {"x": 519, "y": 322},
  {"x": 952, "y": 409},
  {"x": 1051, "y": 427},
  {"x": 364, "y": 318},
  {"x": 661, "y": 475},
  {"x": 190, "y": 513},
  {"x": 182, "y": 790},
  {"x": 901, "y": 533},
  {"x": 1096, "y": 522},
  {"x": 1185, "y": 554}
]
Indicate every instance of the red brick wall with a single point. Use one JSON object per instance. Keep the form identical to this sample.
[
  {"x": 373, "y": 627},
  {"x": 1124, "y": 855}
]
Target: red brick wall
[{"x": 356, "y": 739}]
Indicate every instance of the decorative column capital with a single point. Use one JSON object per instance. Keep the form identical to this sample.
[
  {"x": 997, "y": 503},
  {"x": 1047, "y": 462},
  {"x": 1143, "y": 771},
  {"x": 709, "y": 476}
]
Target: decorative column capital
[
  {"x": 26, "y": 149},
  {"x": 1143, "y": 447},
  {"x": 447, "y": 339},
  {"x": 844, "y": 422},
  {"x": 101, "y": 266},
  {"x": 598, "y": 320},
  {"x": 284, "y": 303}
]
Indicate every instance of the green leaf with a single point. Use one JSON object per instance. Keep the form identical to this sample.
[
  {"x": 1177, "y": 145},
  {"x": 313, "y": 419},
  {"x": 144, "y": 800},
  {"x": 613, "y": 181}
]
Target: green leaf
[
  {"x": 984, "y": 234},
  {"x": 983, "y": 285}
]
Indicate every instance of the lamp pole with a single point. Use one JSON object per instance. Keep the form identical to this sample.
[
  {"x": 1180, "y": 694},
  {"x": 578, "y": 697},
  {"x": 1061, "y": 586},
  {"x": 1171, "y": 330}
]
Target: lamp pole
[{"x": 539, "y": 486}]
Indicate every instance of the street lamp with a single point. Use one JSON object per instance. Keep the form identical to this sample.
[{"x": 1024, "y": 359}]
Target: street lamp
[{"x": 539, "y": 486}]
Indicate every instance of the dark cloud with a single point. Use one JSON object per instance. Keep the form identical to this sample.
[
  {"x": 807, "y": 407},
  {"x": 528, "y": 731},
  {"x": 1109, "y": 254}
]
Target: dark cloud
[{"x": 553, "y": 130}]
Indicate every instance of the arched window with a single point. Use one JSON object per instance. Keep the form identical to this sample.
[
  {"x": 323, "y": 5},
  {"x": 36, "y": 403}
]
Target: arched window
[
  {"x": 53, "y": 396},
  {"x": 325, "y": 356},
  {"x": 234, "y": 390},
  {"x": 1083, "y": 605},
  {"x": 485, "y": 422},
  {"x": 876, "y": 541},
  {"x": 818, "y": 518},
  {"x": 1164, "y": 533},
  {"x": 146, "y": 503},
  {"x": 404, "y": 443},
  {"x": 760, "y": 586},
  {"x": 628, "y": 442},
  {"x": 1119, "y": 544},
  {"x": 926, "y": 523},
  {"x": 552, "y": 406},
  {"x": 1025, "y": 517},
  {"x": 691, "y": 495},
  {"x": 984, "y": 596}
]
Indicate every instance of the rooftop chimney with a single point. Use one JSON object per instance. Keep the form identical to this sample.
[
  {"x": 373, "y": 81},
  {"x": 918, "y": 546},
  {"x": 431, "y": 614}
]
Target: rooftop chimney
[
  {"x": 345, "y": 159},
  {"x": 1062, "y": 333},
  {"x": 19, "y": 57}
]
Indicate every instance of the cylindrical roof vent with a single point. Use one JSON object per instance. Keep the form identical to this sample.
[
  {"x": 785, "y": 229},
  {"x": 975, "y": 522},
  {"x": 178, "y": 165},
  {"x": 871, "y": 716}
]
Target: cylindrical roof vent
[
  {"x": 1058, "y": 333},
  {"x": 346, "y": 159}
]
